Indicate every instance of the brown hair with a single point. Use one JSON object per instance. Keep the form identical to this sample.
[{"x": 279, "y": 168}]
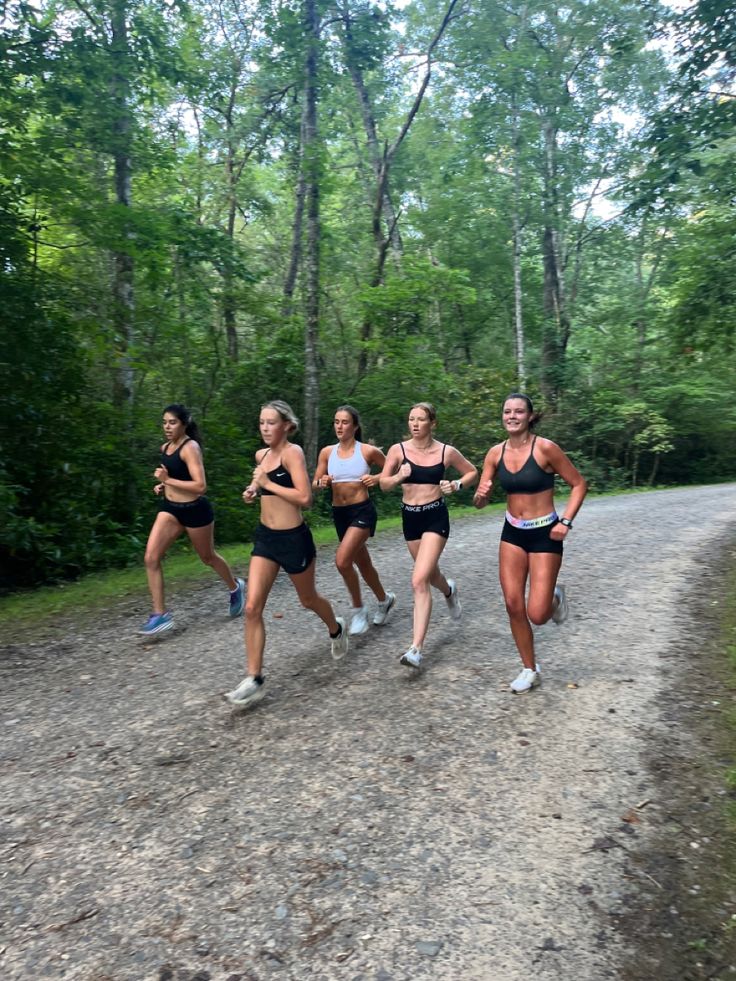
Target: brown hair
[{"x": 285, "y": 411}]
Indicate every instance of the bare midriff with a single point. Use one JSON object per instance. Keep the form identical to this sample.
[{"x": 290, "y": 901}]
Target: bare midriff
[
  {"x": 528, "y": 506},
  {"x": 280, "y": 515},
  {"x": 348, "y": 492}
]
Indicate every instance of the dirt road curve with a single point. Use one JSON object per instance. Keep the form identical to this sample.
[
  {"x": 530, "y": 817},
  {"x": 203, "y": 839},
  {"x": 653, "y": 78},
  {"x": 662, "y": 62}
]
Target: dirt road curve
[{"x": 360, "y": 823}]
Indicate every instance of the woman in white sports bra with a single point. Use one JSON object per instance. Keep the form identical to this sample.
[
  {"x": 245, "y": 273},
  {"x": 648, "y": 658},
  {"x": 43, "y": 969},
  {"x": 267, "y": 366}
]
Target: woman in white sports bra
[{"x": 345, "y": 467}]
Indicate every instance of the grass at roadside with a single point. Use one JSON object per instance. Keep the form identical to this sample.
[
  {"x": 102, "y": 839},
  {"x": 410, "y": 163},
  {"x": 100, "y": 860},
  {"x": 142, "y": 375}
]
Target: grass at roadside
[{"x": 98, "y": 590}]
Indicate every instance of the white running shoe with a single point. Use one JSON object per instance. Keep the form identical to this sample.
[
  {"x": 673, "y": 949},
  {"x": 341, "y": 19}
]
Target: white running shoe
[
  {"x": 339, "y": 645},
  {"x": 453, "y": 601},
  {"x": 383, "y": 609},
  {"x": 412, "y": 658},
  {"x": 559, "y": 609},
  {"x": 248, "y": 692},
  {"x": 358, "y": 621},
  {"x": 525, "y": 681}
]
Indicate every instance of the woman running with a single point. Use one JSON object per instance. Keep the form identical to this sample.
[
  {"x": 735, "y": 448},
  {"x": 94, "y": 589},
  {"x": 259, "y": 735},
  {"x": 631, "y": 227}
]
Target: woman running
[
  {"x": 533, "y": 533},
  {"x": 346, "y": 468},
  {"x": 282, "y": 541},
  {"x": 424, "y": 516},
  {"x": 182, "y": 484}
]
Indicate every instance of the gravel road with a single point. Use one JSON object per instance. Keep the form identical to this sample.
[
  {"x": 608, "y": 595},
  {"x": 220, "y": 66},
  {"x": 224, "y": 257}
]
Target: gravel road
[{"x": 360, "y": 823}]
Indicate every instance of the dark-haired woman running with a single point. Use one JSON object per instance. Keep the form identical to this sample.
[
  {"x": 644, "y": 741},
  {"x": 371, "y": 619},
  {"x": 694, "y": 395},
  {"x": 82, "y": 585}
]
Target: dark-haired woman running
[
  {"x": 182, "y": 484},
  {"x": 533, "y": 532},
  {"x": 346, "y": 468}
]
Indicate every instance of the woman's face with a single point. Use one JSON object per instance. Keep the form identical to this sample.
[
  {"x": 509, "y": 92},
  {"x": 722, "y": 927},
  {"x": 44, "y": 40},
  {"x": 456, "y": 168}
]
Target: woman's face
[
  {"x": 174, "y": 428},
  {"x": 515, "y": 416},
  {"x": 420, "y": 424},
  {"x": 273, "y": 428},
  {"x": 344, "y": 426}
]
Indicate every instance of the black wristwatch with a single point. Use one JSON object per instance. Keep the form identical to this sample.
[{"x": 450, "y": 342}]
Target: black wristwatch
[{"x": 566, "y": 522}]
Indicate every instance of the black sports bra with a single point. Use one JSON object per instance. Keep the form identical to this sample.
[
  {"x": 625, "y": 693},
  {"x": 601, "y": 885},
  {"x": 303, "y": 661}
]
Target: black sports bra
[
  {"x": 175, "y": 466},
  {"x": 530, "y": 479},
  {"x": 425, "y": 475},
  {"x": 279, "y": 475}
]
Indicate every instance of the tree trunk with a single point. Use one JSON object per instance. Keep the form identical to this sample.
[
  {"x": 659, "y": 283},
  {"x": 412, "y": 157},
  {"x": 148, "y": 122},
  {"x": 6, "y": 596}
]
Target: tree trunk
[
  {"x": 297, "y": 224},
  {"x": 312, "y": 167},
  {"x": 556, "y": 323},
  {"x": 517, "y": 247},
  {"x": 123, "y": 268}
]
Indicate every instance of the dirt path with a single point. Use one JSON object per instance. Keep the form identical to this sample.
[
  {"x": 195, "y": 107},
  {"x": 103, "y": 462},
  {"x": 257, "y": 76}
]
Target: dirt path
[{"x": 360, "y": 823}]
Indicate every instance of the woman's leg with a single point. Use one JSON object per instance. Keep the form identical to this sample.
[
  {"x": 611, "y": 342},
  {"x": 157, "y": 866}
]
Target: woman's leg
[
  {"x": 543, "y": 570},
  {"x": 310, "y": 599},
  {"x": 166, "y": 529},
  {"x": 261, "y": 577},
  {"x": 426, "y": 554},
  {"x": 368, "y": 572},
  {"x": 513, "y": 568},
  {"x": 345, "y": 558},
  {"x": 203, "y": 540}
]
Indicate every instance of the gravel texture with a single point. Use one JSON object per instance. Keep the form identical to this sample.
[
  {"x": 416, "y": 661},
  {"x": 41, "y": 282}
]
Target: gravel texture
[{"x": 361, "y": 822}]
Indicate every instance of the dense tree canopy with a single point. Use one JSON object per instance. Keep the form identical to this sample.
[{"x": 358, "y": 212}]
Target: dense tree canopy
[{"x": 225, "y": 201}]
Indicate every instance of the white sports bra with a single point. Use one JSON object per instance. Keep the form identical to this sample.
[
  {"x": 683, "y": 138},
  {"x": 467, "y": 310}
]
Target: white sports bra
[{"x": 348, "y": 470}]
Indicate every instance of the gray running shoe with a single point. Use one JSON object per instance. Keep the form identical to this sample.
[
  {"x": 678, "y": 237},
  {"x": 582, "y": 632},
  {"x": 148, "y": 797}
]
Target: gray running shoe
[
  {"x": 412, "y": 658},
  {"x": 525, "y": 681},
  {"x": 358, "y": 621},
  {"x": 339, "y": 645},
  {"x": 559, "y": 608},
  {"x": 248, "y": 692},
  {"x": 453, "y": 601},
  {"x": 383, "y": 609}
]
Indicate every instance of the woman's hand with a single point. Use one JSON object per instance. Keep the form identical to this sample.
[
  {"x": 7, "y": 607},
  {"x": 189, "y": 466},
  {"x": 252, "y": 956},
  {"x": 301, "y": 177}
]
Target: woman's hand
[
  {"x": 370, "y": 479},
  {"x": 482, "y": 493},
  {"x": 324, "y": 481},
  {"x": 260, "y": 477},
  {"x": 447, "y": 486},
  {"x": 403, "y": 472},
  {"x": 250, "y": 493},
  {"x": 158, "y": 489},
  {"x": 558, "y": 532},
  {"x": 161, "y": 473}
]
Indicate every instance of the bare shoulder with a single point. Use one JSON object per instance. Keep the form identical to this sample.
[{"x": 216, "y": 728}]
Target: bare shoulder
[
  {"x": 293, "y": 454},
  {"x": 260, "y": 454},
  {"x": 191, "y": 448}
]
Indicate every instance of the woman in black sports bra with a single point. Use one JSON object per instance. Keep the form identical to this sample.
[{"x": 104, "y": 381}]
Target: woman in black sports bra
[
  {"x": 181, "y": 484},
  {"x": 282, "y": 541},
  {"x": 533, "y": 532},
  {"x": 424, "y": 514}
]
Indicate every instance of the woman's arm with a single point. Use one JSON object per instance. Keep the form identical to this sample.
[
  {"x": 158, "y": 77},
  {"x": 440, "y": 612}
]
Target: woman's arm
[
  {"x": 563, "y": 466},
  {"x": 321, "y": 478},
  {"x": 485, "y": 486},
  {"x": 293, "y": 460},
  {"x": 374, "y": 458},
  {"x": 468, "y": 472},
  {"x": 394, "y": 471},
  {"x": 191, "y": 454}
]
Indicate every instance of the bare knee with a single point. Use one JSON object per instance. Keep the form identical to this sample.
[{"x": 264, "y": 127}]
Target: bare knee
[
  {"x": 253, "y": 611},
  {"x": 516, "y": 608},
  {"x": 152, "y": 561},
  {"x": 310, "y": 601},
  {"x": 343, "y": 564},
  {"x": 538, "y": 616},
  {"x": 420, "y": 584}
]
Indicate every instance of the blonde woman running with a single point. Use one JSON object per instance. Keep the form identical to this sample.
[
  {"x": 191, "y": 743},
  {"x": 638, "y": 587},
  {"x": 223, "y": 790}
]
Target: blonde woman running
[
  {"x": 282, "y": 541},
  {"x": 425, "y": 520}
]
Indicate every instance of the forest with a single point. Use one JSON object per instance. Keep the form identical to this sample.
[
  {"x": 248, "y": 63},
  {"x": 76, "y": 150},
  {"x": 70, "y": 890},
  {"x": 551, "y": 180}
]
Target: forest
[{"x": 221, "y": 202}]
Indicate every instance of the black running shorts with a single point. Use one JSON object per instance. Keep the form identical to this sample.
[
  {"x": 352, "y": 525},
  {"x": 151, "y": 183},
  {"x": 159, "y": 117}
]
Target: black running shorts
[
  {"x": 417, "y": 519},
  {"x": 531, "y": 539},
  {"x": 293, "y": 549},
  {"x": 192, "y": 514},
  {"x": 361, "y": 515}
]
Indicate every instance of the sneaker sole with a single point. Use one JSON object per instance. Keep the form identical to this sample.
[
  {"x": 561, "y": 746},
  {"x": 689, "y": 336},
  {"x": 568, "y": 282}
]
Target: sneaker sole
[
  {"x": 159, "y": 630},
  {"x": 247, "y": 703},
  {"x": 359, "y": 633},
  {"x": 525, "y": 691},
  {"x": 408, "y": 664}
]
